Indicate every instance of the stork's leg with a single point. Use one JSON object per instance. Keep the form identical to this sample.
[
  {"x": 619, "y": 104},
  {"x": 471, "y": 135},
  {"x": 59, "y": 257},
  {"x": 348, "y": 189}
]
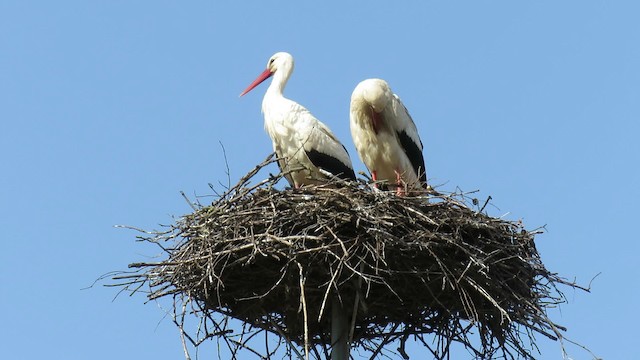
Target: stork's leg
[
  {"x": 374, "y": 176},
  {"x": 400, "y": 185}
]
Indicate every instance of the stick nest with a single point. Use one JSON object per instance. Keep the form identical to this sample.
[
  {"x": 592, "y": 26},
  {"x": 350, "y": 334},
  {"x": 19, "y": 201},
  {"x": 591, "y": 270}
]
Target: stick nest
[{"x": 405, "y": 266}]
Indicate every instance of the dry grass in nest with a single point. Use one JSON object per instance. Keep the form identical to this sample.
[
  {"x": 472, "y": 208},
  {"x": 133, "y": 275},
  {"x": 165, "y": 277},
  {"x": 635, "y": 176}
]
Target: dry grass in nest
[{"x": 406, "y": 266}]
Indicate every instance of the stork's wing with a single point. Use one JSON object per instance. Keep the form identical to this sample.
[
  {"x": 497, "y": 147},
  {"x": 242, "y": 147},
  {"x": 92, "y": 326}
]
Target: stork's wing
[
  {"x": 409, "y": 138},
  {"x": 326, "y": 152},
  {"x": 331, "y": 164}
]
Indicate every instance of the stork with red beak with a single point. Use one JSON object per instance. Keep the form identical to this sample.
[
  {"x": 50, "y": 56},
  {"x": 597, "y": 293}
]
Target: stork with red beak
[
  {"x": 386, "y": 137},
  {"x": 308, "y": 152}
]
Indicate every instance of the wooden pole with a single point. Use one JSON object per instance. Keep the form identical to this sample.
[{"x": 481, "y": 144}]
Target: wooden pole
[{"x": 339, "y": 331}]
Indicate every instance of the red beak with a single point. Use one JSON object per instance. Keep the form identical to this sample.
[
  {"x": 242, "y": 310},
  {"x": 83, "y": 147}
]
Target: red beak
[
  {"x": 376, "y": 120},
  {"x": 264, "y": 76}
]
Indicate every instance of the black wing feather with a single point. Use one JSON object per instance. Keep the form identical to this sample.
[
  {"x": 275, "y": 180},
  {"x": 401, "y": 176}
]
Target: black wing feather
[
  {"x": 330, "y": 164},
  {"x": 414, "y": 153}
]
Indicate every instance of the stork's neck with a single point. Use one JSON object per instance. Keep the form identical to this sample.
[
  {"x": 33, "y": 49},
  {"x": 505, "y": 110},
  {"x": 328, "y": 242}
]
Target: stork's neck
[
  {"x": 274, "y": 92},
  {"x": 279, "y": 80}
]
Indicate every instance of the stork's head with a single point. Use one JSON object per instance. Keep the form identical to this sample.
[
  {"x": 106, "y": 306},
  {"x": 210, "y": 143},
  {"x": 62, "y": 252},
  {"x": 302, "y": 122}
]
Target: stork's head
[
  {"x": 281, "y": 64},
  {"x": 375, "y": 92}
]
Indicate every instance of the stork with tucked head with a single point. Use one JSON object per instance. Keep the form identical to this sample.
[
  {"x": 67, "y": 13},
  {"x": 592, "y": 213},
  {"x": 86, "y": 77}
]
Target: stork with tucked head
[
  {"x": 386, "y": 137},
  {"x": 299, "y": 139}
]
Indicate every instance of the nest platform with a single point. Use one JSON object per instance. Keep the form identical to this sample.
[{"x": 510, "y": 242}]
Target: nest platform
[{"x": 421, "y": 266}]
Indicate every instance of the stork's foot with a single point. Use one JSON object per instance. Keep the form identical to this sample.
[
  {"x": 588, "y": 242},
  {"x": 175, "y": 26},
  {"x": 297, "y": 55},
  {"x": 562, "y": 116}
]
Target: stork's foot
[
  {"x": 375, "y": 185},
  {"x": 400, "y": 185}
]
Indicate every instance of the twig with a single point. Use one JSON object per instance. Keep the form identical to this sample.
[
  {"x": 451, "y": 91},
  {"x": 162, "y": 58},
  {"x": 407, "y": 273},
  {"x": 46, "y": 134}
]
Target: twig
[{"x": 304, "y": 312}]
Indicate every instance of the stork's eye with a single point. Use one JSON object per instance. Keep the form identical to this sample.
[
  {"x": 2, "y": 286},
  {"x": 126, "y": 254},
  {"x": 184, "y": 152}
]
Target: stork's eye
[{"x": 271, "y": 61}]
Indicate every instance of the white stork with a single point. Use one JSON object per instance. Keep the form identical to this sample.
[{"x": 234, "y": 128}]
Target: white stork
[
  {"x": 299, "y": 139},
  {"x": 386, "y": 137}
]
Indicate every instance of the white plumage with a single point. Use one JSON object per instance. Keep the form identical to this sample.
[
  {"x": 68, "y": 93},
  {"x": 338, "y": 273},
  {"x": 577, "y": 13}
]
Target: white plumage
[
  {"x": 299, "y": 139},
  {"x": 386, "y": 137}
]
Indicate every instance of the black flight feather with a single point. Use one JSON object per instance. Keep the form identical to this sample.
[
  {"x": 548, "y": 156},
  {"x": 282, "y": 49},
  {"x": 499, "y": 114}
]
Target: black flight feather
[
  {"x": 330, "y": 164},
  {"x": 414, "y": 154}
]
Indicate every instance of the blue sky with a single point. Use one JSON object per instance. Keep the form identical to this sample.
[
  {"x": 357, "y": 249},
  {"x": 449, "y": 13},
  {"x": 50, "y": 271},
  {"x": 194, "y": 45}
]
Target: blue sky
[{"x": 110, "y": 108}]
